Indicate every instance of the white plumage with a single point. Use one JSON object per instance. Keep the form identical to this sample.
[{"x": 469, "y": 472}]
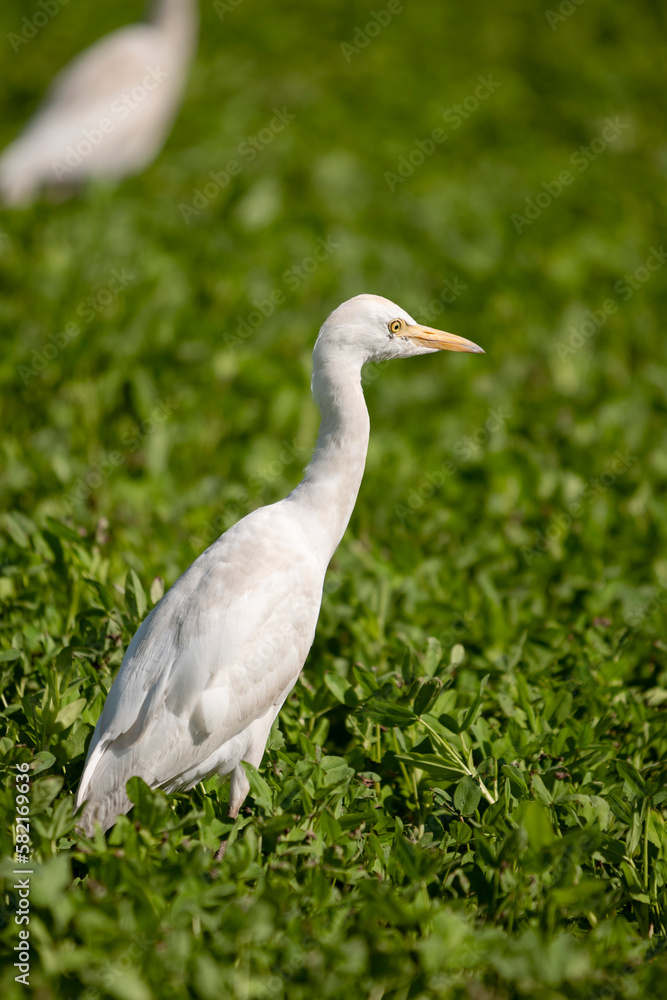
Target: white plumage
[
  {"x": 209, "y": 669},
  {"x": 109, "y": 111}
]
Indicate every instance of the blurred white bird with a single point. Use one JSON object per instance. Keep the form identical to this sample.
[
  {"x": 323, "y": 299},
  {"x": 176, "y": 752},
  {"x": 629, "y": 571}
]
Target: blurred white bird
[
  {"x": 107, "y": 113},
  {"x": 210, "y": 667}
]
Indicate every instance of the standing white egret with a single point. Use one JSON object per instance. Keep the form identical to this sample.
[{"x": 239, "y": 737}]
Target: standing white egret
[
  {"x": 109, "y": 111},
  {"x": 210, "y": 667}
]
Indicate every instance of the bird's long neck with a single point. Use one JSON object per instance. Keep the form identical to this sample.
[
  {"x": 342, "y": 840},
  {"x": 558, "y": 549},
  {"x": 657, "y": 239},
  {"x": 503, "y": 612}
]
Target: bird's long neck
[{"x": 326, "y": 496}]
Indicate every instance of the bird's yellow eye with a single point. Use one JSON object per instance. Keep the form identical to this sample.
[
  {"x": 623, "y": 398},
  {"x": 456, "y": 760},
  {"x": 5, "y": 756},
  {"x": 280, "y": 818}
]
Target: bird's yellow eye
[{"x": 396, "y": 325}]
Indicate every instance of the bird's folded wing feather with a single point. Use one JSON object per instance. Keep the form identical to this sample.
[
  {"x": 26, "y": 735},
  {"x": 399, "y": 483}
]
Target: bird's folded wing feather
[{"x": 225, "y": 644}]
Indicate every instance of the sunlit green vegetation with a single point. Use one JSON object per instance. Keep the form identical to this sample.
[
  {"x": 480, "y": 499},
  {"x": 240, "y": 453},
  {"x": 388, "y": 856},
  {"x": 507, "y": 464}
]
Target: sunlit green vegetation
[{"x": 465, "y": 796}]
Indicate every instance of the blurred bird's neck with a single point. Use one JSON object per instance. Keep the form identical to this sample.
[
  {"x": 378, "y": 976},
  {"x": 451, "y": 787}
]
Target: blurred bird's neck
[
  {"x": 179, "y": 20},
  {"x": 328, "y": 491}
]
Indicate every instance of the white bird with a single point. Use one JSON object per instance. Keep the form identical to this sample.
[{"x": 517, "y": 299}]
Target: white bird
[
  {"x": 109, "y": 111},
  {"x": 208, "y": 670}
]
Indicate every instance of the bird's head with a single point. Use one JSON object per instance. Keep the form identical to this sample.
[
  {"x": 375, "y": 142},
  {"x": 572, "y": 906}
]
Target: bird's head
[{"x": 371, "y": 328}]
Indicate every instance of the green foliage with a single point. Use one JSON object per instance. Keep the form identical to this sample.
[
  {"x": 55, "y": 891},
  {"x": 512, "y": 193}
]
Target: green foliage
[{"x": 466, "y": 793}]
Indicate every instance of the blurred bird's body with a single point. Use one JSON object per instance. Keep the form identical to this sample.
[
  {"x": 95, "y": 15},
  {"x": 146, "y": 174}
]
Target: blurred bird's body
[{"x": 109, "y": 111}]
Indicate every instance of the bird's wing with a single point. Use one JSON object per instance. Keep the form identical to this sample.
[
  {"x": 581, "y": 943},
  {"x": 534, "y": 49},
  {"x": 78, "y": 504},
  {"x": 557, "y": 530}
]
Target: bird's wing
[{"x": 225, "y": 644}]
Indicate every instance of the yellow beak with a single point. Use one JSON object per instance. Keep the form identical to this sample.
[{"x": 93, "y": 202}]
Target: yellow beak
[{"x": 426, "y": 336}]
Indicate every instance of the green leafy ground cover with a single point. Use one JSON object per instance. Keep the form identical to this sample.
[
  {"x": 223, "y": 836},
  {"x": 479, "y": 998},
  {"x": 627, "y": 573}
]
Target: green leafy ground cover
[{"x": 465, "y": 797}]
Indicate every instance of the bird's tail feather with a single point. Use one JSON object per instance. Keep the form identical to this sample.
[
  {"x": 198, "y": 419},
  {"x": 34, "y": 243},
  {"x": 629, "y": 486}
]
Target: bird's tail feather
[
  {"x": 102, "y": 789},
  {"x": 104, "y": 810}
]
